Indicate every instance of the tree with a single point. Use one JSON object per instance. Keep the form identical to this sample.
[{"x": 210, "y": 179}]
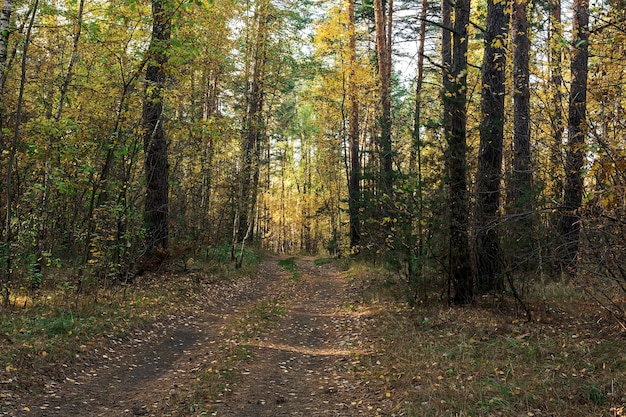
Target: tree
[
  {"x": 5, "y": 22},
  {"x": 156, "y": 168},
  {"x": 7, "y": 256},
  {"x": 575, "y": 151},
  {"x": 520, "y": 190},
  {"x": 454, "y": 56},
  {"x": 383, "y": 17},
  {"x": 556, "y": 109},
  {"x": 489, "y": 175},
  {"x": 253, "y": 129},
  {"x": 354, "y": 189}
]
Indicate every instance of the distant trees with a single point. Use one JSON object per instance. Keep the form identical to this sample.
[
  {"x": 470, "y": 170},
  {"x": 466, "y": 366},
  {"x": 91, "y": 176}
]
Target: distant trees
[{"x": 146, "y": 125}]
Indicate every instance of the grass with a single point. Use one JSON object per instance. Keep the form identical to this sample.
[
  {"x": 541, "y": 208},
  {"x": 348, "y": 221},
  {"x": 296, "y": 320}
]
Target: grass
[
  {"x": 53, "y": 326},
  {"x": 484, "y": 360},
  {"x": 323, "y": 261},
  {"x": 289, "y": 264}
]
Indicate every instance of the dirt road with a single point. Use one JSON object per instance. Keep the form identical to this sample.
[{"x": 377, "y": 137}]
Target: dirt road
[{"x": 306, "y": 362}]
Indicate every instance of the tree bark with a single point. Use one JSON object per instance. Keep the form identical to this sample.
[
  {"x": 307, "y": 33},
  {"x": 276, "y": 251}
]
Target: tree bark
[
  {"x": 5, "y": 24},
  {"x": 556, "y": 111},
  {"x": 156, "y": 166},
  {"x": 383, "y": 20},
  {"x": 575, "y": 152},
  {"x": 251, "y": 145},
  {"x": 354, "y": 191},
  {"x": 489, "y": 175},
  {"x": 454, "y": 53},
  {"x": 520, "y": 191}
]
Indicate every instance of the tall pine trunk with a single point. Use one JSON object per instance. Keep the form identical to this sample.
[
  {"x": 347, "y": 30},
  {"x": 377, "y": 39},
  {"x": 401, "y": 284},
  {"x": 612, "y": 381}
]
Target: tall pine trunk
[
  {"x": 156, "y": 166},
  {"x": 253, "y": 125},
  {"x": 384, "y": 19},
  {"x": 454, "y": 53},
  {"x": 489, "y": 175},
  {"x": 354, "y": 191},
  {"x": 521, "y": 187},
  {"x": 556, "y": 111},
  {"x": 577, "y": 128}
]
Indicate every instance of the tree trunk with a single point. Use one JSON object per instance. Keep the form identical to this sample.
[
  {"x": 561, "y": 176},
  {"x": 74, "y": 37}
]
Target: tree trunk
[
  {"x": 556, "y": 111},
  {"x": 521, "y": 185},
  {"x": 575, "y": 152},
  {"x": 155, "y": 143},
  {"x": 5, "y": 21},
  {"x": 383, "y": 21},
  {"x": 251, "y": 145},
  {"x": 354, "y": 191},
  {"x": 5, "y": 24},
  {"x": 489, "y": 175},
  {"x": 5, "y": 251},
  {"x": 454, "y": 53}
]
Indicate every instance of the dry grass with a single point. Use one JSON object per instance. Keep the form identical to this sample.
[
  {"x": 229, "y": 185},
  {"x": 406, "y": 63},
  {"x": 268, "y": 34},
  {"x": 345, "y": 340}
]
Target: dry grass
[
  {"x": 47, "y": 331},
  {"x": 487, "y": 360}
]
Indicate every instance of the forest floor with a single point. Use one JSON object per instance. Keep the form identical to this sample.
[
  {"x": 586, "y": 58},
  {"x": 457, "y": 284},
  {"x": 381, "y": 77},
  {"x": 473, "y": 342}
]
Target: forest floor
[
  {"x": 285, "y": 342},
  {"x": 300, "y": 338}
]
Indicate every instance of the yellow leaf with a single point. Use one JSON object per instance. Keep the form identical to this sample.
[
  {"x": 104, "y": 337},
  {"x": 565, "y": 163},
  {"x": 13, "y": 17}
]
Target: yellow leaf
[
  {"x": 387, "y": 394},
  {"x": 25, "y": 409}
]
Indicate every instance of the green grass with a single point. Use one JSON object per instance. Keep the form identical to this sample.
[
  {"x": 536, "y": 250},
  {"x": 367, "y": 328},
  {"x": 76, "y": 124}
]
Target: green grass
[
  {"x": 323, "y": 261},
  {"x": 289, "y": 264}
]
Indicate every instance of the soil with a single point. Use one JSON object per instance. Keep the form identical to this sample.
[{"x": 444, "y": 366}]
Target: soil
[{"x": 307, "y": 362}]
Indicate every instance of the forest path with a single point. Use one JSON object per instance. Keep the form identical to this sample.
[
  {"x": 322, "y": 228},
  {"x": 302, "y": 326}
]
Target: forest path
[{"x": 306, "y": 362}]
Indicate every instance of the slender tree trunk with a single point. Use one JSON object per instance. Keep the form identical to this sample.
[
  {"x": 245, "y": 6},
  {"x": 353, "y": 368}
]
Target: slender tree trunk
[
  {"x": 5, "y": 24},
  {"x": 155, "y": 143},
  {"x": 354, "y": 189},
  {"x": 251, "y": 145},
  {"x": 489, "y": 175},
  {"x": 454, "y": 52},
  {"x": 73, "y": 57},
  {"x": 521, "y": 190},
  {"x": 521, "y": 185},
  {"x": 52, "y": 142},
  {"x": 5, "y": 253},
  {"x": 556, "y": 79},
  {"x": 575, "y": 152},
  {"x": 383, "y": 21},
  {"x": 415, "y": 154}
]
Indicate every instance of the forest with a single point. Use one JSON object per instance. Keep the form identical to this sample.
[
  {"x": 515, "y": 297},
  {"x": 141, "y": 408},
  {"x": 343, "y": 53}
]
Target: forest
[
  {"x": 472, "y": 150},
  {"x": 478, "y": 143}
]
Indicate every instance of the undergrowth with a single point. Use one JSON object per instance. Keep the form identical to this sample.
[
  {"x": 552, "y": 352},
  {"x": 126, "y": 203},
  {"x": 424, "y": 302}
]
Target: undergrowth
[
  {"x": 487, "y": 360},
  {"x": 51, "y": 326},
  {"x": 289, "y": 264}
]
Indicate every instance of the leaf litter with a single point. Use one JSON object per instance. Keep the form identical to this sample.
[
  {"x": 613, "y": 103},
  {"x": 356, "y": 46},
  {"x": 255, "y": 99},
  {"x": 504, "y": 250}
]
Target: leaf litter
[{"x": 268, "y": 346}]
